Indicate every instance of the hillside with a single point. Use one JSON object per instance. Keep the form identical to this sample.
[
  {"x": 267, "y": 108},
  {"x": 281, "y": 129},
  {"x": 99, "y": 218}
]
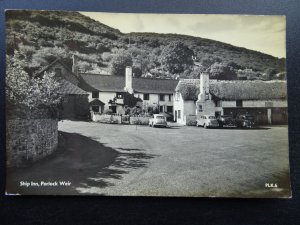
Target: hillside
[{"x": 41, "y": 36}]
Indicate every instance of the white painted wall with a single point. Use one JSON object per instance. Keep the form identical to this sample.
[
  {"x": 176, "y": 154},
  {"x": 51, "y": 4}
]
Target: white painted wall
[
  {"x": 275, "y": 103},
  {"x": 186, "y": 108},
  {"x": 254, "y": 104},
  {"x": 154, "y": 100},
  {"x": 228, "y": 104},
  {"x": 103, "y": 97},
  {"x": 178, "y": 104}
]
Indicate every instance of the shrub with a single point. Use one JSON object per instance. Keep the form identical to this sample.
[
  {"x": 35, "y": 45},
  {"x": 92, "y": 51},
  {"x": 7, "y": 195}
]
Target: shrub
[
  {"x": 191, "y": 120},
  {"x": 191, "y": 123},
  {"x": 108, "y": 111},
  {"x": 139, "y": 120}
]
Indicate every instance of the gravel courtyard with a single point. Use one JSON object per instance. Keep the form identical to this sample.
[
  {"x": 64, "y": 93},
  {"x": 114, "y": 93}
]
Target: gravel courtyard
[{"x": 188, "y": 161}]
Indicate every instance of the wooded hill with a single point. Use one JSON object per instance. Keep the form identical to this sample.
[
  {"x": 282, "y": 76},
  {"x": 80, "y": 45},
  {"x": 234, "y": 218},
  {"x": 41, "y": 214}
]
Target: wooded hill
[{"x": 41, "y": 36}]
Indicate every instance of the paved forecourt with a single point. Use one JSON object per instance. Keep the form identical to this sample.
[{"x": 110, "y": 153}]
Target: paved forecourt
[{"x": 189, "y": 161}]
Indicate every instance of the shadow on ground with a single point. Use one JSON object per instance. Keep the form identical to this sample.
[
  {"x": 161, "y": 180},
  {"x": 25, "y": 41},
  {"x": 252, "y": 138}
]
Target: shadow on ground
[
  {"x": 79, "y": 160},
  {"x": 126, "y": 161}
]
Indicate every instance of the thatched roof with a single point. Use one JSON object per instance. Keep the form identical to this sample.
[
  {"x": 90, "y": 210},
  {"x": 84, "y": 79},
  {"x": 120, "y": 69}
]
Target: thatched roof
[
  {"x": 241, "y": 89},
  {"x": 248, "y": 90}
]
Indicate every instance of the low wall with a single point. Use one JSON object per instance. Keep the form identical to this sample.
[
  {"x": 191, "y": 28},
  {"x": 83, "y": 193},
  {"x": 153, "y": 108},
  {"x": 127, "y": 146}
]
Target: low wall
[
  {"x": 104, "y": 118},
  {"x": 191, "y": 120},
  {"x": 28, "y": 140},
  {"x": 139, "y": 120}
]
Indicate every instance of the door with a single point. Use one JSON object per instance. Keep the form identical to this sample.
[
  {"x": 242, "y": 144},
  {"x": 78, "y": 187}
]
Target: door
[{"x": 175, "y": 117}]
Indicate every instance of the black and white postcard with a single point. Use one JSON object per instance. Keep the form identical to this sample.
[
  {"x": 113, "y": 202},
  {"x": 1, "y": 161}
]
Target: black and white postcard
[{"x": 127, "y": 104}]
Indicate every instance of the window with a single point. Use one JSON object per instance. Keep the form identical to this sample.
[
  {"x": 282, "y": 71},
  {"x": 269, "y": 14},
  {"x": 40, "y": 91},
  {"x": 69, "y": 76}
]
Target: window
[
  {"x": 161, "y": 108},
  {"x": 169, "y": 109},
  {"x": 162, "y": 98},
  {"x": 146, "y": 96},
  {"x": 200, "y": 108},
  {"x": 179, "y": 114},
  {"x": 239, "y": 103},
  {"x": 119, "y": 95},
  {"x": 57, "y": 72},
  {"x": 95, "y": 108},
  {"x": 95, "y": 94},
  {"x": 170, "y": 98}
]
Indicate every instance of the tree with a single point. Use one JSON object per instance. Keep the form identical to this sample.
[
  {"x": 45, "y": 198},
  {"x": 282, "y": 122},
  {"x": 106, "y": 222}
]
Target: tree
[
  {"x": 130, "y": 100},
  {"x": 176, "y": 57},
  {"x": 248, "y": 74},
  {"x": 137, "y": 71},
  {"x": 119, "y": 62},
  {"x": 195, "y": 74},
  {"x": 269, "y": 73},
  {"x": 189, "y": 91},
  {"x": 221, "y": 71},
  {"x": 29, "y": 92}
]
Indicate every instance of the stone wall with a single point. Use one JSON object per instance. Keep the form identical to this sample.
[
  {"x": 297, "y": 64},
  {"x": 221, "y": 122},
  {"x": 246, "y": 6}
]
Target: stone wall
[
  {"x": 105, "y": 118},
  {"x": 28, "y": 140}
]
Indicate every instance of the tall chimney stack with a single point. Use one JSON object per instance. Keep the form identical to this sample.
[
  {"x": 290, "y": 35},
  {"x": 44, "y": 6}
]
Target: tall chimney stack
[
  {"x": 204, "y": 86},
  {"x": 128, "y": 80}
]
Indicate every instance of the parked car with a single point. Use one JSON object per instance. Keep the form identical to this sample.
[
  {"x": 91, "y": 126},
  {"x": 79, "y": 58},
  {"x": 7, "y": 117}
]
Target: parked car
[
  {"x": 226, "y": 121},
  {"x": 245, "y": 121},
  {"x": 207, "y": 121},
  {"x": 158, "y": 120}
]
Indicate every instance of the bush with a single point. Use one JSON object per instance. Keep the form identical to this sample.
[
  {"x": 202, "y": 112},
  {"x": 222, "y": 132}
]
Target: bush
[
  {"x": 108, "y": 111},
  {"x": 139, "y": 120},
  {"x": 191, "y": 123},
  {"x": 191, "y": 120}
]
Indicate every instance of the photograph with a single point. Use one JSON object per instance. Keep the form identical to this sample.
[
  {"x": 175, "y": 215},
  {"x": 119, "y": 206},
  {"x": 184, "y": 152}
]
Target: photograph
[{"x": 142, "y": 104}]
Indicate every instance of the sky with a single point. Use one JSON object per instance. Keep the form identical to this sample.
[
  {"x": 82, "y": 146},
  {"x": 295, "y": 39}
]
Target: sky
[{"x": 260, "y": 33}]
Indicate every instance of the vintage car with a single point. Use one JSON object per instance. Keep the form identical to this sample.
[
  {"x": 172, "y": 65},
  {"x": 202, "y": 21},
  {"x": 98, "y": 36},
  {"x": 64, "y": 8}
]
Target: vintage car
[
  {"x": 226, "y": 121},
  {"x": 207, "y": 121},
  {"x": 245, "y": 121},
  {"x": 158, "y": 120}
]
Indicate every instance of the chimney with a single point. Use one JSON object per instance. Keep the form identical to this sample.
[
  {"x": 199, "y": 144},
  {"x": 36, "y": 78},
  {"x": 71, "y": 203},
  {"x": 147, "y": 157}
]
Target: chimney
[
  {"x": 128, "y": 80},
  {"x": 75, "y": 65},
  {"x": 204, "y": 87}
]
